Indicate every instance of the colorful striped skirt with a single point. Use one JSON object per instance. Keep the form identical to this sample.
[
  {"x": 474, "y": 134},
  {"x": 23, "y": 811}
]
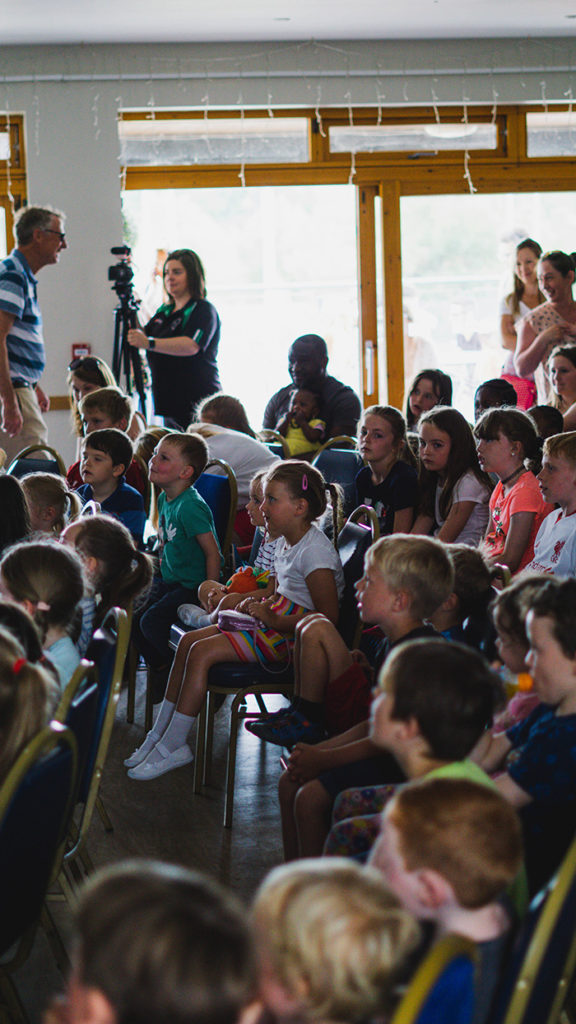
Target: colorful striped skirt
[{"x": 264, "y": 644}]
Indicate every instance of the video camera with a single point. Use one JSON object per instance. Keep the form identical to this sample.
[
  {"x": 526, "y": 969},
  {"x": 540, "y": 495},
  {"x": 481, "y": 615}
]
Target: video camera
[{"x": 121, "y": 273}]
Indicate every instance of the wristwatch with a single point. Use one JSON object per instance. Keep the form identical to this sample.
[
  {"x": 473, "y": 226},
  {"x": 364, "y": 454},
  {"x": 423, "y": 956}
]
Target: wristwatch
[{"x": 151, "y": 342}]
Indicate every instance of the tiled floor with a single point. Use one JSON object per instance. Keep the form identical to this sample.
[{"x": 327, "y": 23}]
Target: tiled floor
[{"x": 163, "y": 819}]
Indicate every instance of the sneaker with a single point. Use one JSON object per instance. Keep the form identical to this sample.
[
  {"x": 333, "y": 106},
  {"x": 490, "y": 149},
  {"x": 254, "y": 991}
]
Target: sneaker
[
  {"x": 270, "y": 716},
  {"x": 295, "y": 729},
  {"x": 141, "y": 753},
  {"x": 194, "y": 616},
  {"x": 168, "y": 760}
]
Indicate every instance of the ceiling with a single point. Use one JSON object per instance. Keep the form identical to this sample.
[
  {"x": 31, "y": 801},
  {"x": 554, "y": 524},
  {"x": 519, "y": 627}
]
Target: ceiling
[{"x": 170, "y": 21}]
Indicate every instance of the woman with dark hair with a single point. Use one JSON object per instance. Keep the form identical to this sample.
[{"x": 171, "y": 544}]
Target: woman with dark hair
[
  {"x": 429, "y": 388},
  {"x": 523, "y": 298},
  {"x": 550, "y": 324},
  {"x": 181, "y": 341},
  {"x": 562, "y": 374}
]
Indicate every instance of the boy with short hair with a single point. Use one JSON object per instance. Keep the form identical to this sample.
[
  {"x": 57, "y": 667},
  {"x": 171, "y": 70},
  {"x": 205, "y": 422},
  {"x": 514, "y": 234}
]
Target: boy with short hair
[
  {"x": 555, "y": 544},
  {"x": 104, "y": 409},
  {"x": 405, "y": 579},
  {"x": 105, "y": 456},
  {"x": 448, "y": 849},
  {"x": 538, "y": 755},
  {"x": 155, "y": 942}
]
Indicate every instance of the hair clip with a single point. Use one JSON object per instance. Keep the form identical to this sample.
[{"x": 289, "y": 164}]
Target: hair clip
[
  {"x": 42, "y": 606},
  {"x": 304, "y": 482},
  {"x": 18, "y": 665}
]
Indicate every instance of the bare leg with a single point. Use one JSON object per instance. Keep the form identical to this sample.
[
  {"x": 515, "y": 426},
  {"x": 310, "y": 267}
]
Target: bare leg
[
  {"x": 179, "y": 664},
  {"x": 208, "y": 651},
  {"x": 287, "y": 790},
  {"x": 312, "y": 811},
  {"x": 323, "y": 657}
]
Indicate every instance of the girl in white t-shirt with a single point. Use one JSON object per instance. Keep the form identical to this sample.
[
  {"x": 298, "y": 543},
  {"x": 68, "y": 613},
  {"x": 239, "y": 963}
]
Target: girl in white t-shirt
[
  {"x": 454, "y": 492},
  {"x": 309, "y": 577}
]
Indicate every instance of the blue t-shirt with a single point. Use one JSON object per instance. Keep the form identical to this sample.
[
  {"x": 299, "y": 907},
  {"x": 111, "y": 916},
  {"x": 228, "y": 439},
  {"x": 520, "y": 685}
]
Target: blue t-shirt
[
  {"x": 18, "y": 298},
  {"x": 125, "y": 504},
  {"x": 543, "y": 763},
  {"x": 398, "y": 490}
]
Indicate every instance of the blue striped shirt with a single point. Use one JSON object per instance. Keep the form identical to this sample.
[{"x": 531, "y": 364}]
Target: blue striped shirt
[{"x": 18, "y": 298}]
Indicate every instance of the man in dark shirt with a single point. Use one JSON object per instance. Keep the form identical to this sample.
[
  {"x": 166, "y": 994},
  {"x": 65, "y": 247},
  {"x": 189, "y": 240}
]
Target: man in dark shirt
[{"x": 307, "y": 361}]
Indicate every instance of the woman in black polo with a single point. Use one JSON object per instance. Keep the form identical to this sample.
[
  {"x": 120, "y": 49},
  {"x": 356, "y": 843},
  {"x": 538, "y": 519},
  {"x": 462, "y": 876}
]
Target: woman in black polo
[{"x": 181, "y": 341}]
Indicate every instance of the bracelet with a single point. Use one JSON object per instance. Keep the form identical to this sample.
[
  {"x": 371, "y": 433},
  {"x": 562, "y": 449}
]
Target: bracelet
[{"x": 151, "y": 342}]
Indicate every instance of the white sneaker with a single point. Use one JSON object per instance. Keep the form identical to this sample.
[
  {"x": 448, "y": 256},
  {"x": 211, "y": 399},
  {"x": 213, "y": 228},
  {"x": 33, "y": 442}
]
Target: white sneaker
[
  {"x": 169, "y": 760},
  {"x": 141, "y": 753},
  {"x": 194, "y": 616}
]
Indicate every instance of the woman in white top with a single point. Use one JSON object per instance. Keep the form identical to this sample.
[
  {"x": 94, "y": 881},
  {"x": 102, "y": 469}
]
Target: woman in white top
[
  {"x": 524, "y": 297},
  {"x": 550, "y": 324}
]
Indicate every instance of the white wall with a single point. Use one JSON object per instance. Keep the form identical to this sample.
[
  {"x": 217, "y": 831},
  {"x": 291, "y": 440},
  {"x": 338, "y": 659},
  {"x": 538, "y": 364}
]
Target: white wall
[{"x": 70, "y": 95}]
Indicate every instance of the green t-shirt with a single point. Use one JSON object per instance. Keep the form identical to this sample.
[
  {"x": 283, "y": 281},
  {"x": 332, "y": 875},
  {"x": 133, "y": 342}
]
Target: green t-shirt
[{"x": 179, "y": 523}]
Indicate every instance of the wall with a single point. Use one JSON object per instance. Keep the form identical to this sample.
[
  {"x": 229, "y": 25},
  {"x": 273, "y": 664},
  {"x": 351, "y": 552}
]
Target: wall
[{"x": 70, "y": 96}]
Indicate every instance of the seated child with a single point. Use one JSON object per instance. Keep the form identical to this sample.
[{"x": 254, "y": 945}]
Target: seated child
[
  {"x": 15, "y": 519},
  {"x": 436, "y": 700},
  {"x": 546, "y": 419},
  {"x": 50, "y": 503},
  {"x": 509, "y": 611},
  {"x": 555, "y": 544},
  {"x": 538, "y": 755},
  {"x": 256, "y": 581},
  {"x": 418, "y": 571},
  {"x": 469, "y": 599},
  {"x": 302, "y": 425},
  {"x": 389, "y": 481},
  {"x": 448, "y": 849},
  {"x": 105, "y": 456},
  {"x": 156, "y": 942},
  {"x": 493, "y": 394},
  {"x": 405, "y": 579},
  {"x": 189, "y": 551},
  {"x": 332, "y": 943},
  {"x": 28, "y": 695},
  {"x": 104, "y": 409},
  {"x": 47, "y": 580},
  {"x": 117, "y": 574}
]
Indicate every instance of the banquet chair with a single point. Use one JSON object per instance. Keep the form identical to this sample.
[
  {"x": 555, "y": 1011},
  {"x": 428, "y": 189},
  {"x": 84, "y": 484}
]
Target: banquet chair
[
  {"x": 446, "y": 973},
  {"x": 220, "y": 492},
  {"x": 340, "y": 465},
  {"x": 22, "y": 464}
]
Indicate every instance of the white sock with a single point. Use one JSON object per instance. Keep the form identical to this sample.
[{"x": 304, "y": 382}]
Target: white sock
[
  {"x": 176, "y": 734},
  {"x": 164, "y": 717}
]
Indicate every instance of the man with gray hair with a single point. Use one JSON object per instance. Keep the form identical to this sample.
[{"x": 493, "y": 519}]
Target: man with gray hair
[{"x": 39, "y": 240}]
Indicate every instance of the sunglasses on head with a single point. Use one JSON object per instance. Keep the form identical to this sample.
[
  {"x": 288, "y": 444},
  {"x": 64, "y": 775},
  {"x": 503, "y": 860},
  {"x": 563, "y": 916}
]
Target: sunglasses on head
[{"x": 89, "y": 362}]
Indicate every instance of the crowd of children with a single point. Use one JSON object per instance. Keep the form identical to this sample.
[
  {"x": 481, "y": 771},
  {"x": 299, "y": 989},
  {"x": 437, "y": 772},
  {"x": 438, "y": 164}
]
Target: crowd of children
[{"x": 455, "y": 778}]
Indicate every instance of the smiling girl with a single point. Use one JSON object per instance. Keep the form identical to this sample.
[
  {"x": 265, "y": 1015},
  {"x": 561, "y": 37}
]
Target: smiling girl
[
  {"x": 387, "y": 483},
  {"x": 562, "y": 375},
  {"x": 507, "y": 445},
  {"x": 454, "y": 490}
]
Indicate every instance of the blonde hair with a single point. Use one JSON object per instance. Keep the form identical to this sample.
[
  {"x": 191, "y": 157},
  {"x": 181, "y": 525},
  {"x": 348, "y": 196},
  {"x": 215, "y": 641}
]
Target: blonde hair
[
  {"x": 465, "y": 831},
  {"x": 46, "y": 490},
  {"x": 27, "y": 696},
  {"x": 419, "y": 566},
  {"x": 562, "y": 446},
  {"x": 146, "y": 443},
  {"x": 304, "y": 481},
  {"x": 335, "y": 937},
  {"x": 49, "y": 576}
]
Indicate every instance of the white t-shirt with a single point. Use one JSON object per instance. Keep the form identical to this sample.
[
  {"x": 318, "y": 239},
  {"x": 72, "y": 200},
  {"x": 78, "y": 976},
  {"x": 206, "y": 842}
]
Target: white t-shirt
[
  {"x": 294, "y": 563},
  {"x": 555, "y": 545},
  {"x": 506, "y": 310},
  {"x": 243, "y": 453},
  {"x": 468, "y": 488}
]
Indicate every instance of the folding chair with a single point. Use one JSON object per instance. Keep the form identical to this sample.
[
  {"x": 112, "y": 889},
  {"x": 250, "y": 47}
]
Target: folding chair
[
  {"x": 221, "y": 494},
  {"x": 22, "y": 464},
  {"x": 442, "y": 989}
]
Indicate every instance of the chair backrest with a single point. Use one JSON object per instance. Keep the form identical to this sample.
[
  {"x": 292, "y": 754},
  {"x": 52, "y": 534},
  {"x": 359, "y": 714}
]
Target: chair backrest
[
  {"x": 340, "y": 466},
  {"x": 108, "y": 650},
  {"x": 543, "y": 962},
  {"x": 36, "y": 803},
  {"x": 220, "y": 492},
  {"x": 22, "y": 465},
  {"x": 78, "y": 709},
  {"x": 354, "y": 540},
  {"x": 442, "y": 989},
  {"x": 277, "y": 444}
]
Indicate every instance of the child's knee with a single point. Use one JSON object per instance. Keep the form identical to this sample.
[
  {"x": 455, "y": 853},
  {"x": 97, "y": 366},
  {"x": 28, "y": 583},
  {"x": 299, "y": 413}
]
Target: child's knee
[
  {"x": 311, "y": 800},
  {"x": 287, "y": 790}
]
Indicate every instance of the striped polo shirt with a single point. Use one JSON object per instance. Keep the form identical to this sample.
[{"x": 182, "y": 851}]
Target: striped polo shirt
[{"x": 18, "y": 297}]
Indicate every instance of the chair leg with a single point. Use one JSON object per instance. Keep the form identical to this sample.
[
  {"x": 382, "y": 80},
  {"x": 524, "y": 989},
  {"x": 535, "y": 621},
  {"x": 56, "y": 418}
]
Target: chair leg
[
  {"x": 132, "y": 659},
  {"x": 210, "y": 712},
  {"x": 148, "y": 708},
  {"x": 261, "y": 704},
  {"x": 104, "y": 817},
  {"x": 55, "y": 941},
  {"x": 200, "y": 749},
  {"x": 231, "y": 761},
  {"x": 16, "y": 1012}
]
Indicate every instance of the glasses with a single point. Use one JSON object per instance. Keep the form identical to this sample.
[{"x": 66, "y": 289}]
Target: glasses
[
  {"x": 51, "y": 231},
  {"x": 86, "y": 362}
]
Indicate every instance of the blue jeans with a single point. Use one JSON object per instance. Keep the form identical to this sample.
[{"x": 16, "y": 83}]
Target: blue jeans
[{"x": 152, "y": 627}]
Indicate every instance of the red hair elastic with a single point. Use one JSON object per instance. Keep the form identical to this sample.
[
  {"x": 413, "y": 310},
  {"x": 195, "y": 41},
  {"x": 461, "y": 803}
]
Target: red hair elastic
[{"x": 18, "y": 664}]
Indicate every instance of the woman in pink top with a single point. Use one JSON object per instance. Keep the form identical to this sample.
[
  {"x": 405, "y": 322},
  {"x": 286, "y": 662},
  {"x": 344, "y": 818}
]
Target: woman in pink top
[
  {"x": 506, "y": 440},
  {"x": 552, "y": 323}
]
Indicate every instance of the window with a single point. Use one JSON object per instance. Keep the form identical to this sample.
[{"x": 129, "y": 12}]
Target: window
[
  {"x": 169, "y": 142},
  {"x": 551, "y": 133},
  {"x": 401, "y": 138}
]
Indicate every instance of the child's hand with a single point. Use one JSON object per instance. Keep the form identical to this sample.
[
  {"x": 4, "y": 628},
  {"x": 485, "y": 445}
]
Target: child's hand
[
  {"x": 214, "y": 597},
  {"x": 305, "y": 762},
  {"x": 359, "y": 658}
]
